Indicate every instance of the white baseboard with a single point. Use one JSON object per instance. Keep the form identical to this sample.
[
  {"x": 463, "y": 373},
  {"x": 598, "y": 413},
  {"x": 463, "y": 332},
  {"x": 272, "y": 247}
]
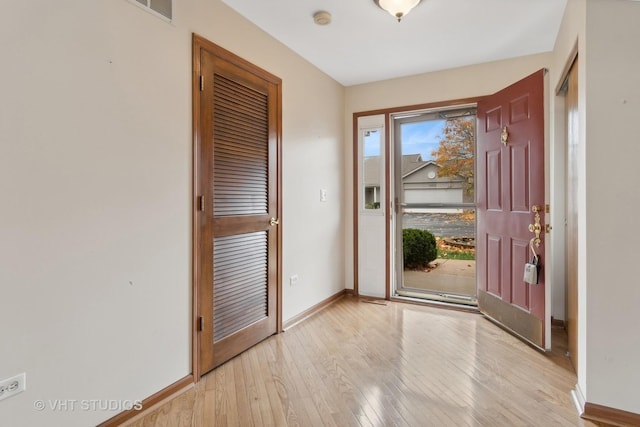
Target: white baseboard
[{"x": 578, "y": 399}]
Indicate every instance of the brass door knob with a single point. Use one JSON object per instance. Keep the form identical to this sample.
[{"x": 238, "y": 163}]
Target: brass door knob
[{"x": 536, "y": 227}]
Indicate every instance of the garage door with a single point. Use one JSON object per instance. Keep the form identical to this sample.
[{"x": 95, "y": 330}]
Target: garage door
[{"x": 433, "y": 195}]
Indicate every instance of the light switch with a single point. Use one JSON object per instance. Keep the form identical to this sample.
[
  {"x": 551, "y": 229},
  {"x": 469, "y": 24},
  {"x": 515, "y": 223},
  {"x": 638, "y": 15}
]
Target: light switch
[{"x": 323, "y": 195}]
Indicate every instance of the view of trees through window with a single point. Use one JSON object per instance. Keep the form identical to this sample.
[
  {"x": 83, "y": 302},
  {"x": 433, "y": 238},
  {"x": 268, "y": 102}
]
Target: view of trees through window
[{"x": 455, "y": 153}]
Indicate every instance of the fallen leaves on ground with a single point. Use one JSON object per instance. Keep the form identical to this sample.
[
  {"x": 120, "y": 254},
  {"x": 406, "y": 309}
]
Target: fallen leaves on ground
[{"x": 445, "y": 250}]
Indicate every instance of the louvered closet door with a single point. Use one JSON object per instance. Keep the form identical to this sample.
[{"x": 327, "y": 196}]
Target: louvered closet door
[{"x": 240, "y": 199}]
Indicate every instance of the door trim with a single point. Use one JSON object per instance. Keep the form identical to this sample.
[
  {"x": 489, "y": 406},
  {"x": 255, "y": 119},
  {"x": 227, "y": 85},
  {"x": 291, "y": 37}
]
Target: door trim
[
  {"x": 199, "y": 43},
  {"x": 397, "y": 281},
  {"x": 570, "y": 87},
  {"x": 571, "y": 59},
  {"x": 356, "y": 170}
]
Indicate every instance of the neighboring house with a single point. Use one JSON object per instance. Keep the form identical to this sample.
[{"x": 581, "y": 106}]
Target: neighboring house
[
  {"x": 421, "y": 183},
  {"x": 372, "y": 179}
]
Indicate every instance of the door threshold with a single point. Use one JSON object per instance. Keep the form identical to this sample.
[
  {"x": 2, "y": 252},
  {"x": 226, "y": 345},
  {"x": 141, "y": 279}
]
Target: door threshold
[
  {"x": 440, "y": 297},
  {"x": 438, "y": 304}
]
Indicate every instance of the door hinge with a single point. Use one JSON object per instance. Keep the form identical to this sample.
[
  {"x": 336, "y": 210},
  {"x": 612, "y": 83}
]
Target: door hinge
[
  {"x": 547, "y": 208},
  {"x": 201, "y": 83},
  {"x": 201, "y": 203},
  {"x": 200, "y": 323}
]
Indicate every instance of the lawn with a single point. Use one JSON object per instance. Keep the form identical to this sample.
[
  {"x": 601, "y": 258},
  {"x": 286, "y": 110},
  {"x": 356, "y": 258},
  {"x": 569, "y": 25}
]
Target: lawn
[{"x": 446, "y": 251}]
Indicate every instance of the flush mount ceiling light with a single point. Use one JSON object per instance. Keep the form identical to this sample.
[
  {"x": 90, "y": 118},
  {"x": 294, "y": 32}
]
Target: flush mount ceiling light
[{"x": 397, "y": 8}]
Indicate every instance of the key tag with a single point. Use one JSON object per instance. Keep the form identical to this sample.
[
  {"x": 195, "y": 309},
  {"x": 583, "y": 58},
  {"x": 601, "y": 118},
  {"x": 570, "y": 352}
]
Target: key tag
[{"x": 532, "y": 270}]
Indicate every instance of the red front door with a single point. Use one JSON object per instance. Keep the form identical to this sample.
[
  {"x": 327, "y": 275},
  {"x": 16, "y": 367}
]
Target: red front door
[{"x": 511, "y": 186}]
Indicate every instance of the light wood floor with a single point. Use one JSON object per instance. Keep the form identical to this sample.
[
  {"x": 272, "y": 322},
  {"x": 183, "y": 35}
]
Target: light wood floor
[{"x": 362, "y": 364}]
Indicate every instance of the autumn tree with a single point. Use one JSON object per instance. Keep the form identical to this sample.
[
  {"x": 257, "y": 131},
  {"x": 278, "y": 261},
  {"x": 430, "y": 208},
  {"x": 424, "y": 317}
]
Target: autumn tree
[{"x": 456, "y": 150}]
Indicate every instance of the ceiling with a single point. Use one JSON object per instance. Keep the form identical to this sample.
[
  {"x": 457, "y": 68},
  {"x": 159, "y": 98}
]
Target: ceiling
[{"x": 364, "y": 43}]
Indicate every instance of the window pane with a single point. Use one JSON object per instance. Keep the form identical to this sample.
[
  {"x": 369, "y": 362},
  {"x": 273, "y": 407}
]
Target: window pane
[
  {"x": 371, "y": 169},
  {"x": 438, "y": 160},
  {"x": 163, "y": 7}
]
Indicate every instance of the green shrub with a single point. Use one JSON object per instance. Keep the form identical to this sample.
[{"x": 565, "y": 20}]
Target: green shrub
[{"x": 418, "y": 248}]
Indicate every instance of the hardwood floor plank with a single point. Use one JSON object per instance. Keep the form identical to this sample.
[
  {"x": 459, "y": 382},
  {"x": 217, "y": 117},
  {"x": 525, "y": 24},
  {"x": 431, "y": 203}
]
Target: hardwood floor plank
[
  {"x": 314, "y": 383},
  {"x": 358, "y": 364},
  {"x": 243, "y": 405},
  {"x": 276, "y": 407},
  {"x": 251, "y": 390},
  {"x": 324, "y": 388},
  {"x": 208, "y": 408}
]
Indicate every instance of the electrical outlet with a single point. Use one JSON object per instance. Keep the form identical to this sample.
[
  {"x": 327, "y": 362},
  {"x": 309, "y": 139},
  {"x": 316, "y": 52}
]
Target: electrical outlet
[
  {"x": 293, "y": 280},
  {"x": 12, "y": 386}
]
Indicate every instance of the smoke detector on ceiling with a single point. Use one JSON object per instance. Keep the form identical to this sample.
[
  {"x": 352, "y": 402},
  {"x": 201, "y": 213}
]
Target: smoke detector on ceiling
[{"x": 322, "y": 17}]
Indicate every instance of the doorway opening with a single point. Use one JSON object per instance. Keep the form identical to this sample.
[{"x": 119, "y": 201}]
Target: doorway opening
[{"x": 435, "y": 204}]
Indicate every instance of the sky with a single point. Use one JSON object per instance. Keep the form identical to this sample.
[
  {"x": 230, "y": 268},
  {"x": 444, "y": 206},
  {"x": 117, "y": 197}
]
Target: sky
[
  {"x": 417, "y": 138},
  {"x": 421, "y": 137}
]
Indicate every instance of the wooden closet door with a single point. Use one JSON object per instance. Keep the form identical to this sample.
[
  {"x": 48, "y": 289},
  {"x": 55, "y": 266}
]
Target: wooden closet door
[{"x": 238, "y": 218}]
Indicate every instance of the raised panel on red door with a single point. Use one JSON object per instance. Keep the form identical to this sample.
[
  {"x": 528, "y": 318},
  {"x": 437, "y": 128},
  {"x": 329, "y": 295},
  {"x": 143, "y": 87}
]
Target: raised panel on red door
[{"x": 510, "y": 183}]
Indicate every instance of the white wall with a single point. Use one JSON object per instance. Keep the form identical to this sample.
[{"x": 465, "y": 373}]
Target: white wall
[
  {"x": 95, "y": 183},
  {"x": 612, "y": 204}
]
